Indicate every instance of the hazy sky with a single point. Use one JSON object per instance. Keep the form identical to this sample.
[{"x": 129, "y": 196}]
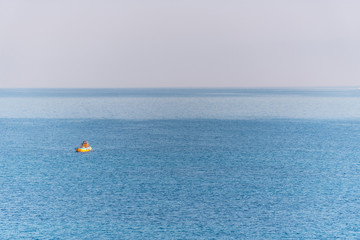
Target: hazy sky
[{"x": 183, "y": 43}]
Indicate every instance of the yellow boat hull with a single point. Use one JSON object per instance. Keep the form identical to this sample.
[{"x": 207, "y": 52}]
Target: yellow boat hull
[{"x": 83, "y": 149}]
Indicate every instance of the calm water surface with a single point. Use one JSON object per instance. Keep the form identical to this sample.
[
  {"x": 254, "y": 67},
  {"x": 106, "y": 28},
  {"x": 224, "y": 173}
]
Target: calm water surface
[{"x": 180, "y": 164}]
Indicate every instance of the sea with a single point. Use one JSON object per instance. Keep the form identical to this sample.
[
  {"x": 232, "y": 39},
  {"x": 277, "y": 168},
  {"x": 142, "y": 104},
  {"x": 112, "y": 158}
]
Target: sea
[{"x": 180, "y": 163}]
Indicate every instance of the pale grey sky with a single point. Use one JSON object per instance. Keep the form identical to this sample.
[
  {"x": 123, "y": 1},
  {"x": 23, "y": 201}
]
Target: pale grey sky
[{"x": 183, "y": 43}]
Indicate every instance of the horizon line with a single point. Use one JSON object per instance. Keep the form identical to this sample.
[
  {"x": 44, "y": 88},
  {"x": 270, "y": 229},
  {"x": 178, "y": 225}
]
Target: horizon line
[{"x": 149, "y": 88}]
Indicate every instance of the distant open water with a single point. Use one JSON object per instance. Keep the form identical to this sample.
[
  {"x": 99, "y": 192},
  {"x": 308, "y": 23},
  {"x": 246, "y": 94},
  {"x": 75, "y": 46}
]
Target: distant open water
[{"x": 180, "y": 164}]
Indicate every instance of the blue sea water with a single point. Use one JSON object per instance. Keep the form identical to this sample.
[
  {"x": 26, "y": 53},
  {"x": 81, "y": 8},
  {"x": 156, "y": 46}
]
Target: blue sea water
[{"x": 180, "y": 164}]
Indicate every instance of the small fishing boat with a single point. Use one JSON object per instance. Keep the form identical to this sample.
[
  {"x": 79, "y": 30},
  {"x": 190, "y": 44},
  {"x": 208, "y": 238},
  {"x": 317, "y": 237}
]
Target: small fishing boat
[{"x": 84, "y": 147}]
